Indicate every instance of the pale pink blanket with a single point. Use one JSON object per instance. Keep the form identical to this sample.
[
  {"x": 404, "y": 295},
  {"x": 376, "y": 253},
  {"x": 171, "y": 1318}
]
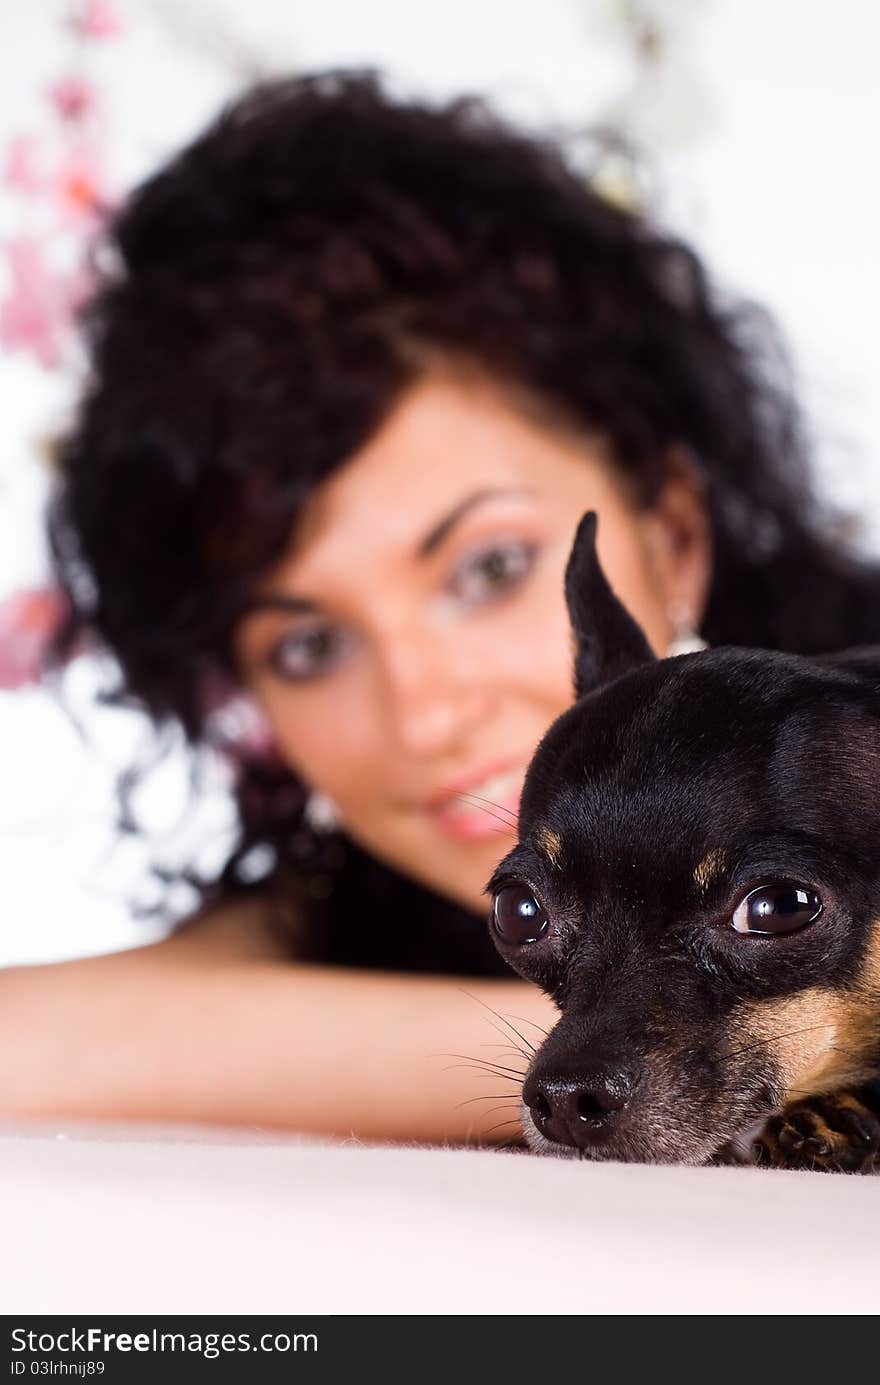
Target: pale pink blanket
[{"x": 173, "y": 1221}]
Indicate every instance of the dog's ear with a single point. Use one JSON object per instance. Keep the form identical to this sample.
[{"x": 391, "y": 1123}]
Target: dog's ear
[{"x": 607, "y": 641}]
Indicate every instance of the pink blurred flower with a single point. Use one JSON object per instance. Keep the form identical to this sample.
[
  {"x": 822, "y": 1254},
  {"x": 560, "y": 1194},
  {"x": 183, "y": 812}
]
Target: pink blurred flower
[
  {"x": 98, "y": 19},
  {"x": 73, "y": 97},
  {"x": 78, "y": 183},
  {"x": 21, "y": 171},
  {"x": 35, "y": 315},
  {"x": 28, "y": 622}
]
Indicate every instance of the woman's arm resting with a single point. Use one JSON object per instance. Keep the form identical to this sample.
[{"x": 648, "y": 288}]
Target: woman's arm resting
[{"x": 188, "y": 1030}]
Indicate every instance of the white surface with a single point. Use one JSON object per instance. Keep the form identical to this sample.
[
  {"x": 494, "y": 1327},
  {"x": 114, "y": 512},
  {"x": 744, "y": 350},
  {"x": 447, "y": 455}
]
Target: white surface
[{"x": 198, "y": 1222}]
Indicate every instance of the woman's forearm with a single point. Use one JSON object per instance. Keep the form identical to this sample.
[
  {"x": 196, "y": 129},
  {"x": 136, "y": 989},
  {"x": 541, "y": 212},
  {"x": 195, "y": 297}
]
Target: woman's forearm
[{"x": 163, "y": 1034}]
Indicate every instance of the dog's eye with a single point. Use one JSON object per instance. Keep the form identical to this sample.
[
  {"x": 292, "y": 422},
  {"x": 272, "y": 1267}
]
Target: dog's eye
[
  {"x": 518, "y": 917},
  {"x": 776, "y": 909}
]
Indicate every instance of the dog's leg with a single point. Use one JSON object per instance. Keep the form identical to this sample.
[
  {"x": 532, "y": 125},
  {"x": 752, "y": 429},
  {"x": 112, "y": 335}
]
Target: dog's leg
[{"x": 838, "y": 1132}]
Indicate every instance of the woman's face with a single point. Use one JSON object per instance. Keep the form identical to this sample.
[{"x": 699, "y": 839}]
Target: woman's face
[{"x": 413, "y": 647}]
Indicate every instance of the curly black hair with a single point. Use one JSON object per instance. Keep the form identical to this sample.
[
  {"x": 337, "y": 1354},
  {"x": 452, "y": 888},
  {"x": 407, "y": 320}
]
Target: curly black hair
[{"x": 273, "y": 289}]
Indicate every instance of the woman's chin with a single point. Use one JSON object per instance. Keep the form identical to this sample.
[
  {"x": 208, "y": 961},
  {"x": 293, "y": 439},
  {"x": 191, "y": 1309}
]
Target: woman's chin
[
  {"x": 461, "y": 874},
  {"x": 456, "y": 866}
]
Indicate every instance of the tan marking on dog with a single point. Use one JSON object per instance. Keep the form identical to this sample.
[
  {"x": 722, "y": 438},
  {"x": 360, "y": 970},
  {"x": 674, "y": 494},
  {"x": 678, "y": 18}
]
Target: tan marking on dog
[
  {"x": 860, "y": 1027},
  {"x": 822, "y": 1039},
  {"x": 709, "y": 868},
  {"x": 550, "y": 843},
  {"x": 800, "y": 1032},
  {"x": 869, "y": 978}
]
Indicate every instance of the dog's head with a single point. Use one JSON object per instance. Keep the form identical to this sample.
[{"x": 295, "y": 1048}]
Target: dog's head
[{"x": 697, "y": 885}]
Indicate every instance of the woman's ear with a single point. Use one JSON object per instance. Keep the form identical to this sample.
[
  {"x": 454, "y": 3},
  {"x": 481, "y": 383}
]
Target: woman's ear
[{"x": 678, "y": 539}]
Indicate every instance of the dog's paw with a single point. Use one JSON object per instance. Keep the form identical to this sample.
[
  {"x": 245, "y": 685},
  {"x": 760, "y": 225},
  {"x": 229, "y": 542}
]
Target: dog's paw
[{"x": 835, "y": 1133}]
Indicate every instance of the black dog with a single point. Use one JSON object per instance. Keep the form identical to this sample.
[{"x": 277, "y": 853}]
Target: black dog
[{"x": 697, "y": 886}]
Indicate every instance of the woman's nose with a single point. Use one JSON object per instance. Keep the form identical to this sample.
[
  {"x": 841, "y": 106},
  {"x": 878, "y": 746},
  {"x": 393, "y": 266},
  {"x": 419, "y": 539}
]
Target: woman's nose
[{"x": 434, "y": 697}]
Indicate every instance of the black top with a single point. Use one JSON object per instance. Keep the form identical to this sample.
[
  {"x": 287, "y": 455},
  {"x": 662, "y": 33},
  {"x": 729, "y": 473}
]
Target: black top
[{"x": 360, "y": 913}]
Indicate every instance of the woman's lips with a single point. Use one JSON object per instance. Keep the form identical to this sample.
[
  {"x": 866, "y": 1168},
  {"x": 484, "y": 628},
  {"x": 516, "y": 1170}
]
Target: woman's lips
[{"x": 486, "y": 808}]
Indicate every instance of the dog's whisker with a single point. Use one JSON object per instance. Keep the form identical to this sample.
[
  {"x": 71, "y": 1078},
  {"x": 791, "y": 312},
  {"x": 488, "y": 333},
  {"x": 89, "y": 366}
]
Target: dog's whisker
[
  {"x": 862, "y": 1071},
  {"x": 848, "y": 1053},
  {"x": 491, "y": 1096},
  {"x": 509, "y": 823},
  {"x": 477, "y": 1058},
  {"x": 499, "y": 1126},
  {"x": 523, "y": 1019},
  {"x": 505, "y": 1106},
  {"x": 491, "y": 1070},
  {"x": 499, "y": 1070},
  {"x": 510, "y": 816},
  {"x": 485, "y": 1072},
  {"x": 504, "y": 1020},
  {"x": 512, "y": 1049},
  {"x": 528, "y": 1055},
  {"x": 512, "y": 1028},
  {"x": 777, "y": 1038}
]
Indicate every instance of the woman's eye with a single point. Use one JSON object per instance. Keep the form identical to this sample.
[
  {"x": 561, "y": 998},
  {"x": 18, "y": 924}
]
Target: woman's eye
[
  {"x": 518, "y": 916},
  {"x": 776, "y": 909},
  {"x": 305, "y": 654},
  {"x": 492, "y": 571}
]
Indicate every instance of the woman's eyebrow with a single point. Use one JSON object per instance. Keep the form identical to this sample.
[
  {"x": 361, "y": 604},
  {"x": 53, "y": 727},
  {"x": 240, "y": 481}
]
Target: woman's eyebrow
[
  {"x": 272, "y": 601},
  {"x": 440, "y": 531}
]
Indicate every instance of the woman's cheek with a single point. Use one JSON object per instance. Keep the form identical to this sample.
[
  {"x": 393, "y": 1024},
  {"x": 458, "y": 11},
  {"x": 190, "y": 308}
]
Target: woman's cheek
[
  {"x": 299, "y": 720},
  {"x": 529, "y": 644}
]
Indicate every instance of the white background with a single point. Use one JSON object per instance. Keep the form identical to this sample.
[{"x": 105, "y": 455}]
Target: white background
[{"x": 762, "y": 120}]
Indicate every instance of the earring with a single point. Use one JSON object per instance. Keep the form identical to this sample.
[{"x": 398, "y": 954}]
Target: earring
[
  {"x": 321, "y": 814},
  {"x": 685, "y": 638}
]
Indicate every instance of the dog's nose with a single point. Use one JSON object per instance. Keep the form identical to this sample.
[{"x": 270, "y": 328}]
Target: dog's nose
[{"x": 577, "y": 1107}]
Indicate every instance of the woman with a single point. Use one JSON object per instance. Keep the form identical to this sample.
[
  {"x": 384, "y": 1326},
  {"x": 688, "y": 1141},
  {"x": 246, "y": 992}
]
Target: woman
[{"x": 358, "y": 370}]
